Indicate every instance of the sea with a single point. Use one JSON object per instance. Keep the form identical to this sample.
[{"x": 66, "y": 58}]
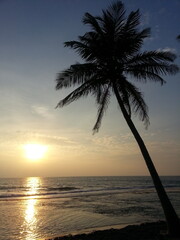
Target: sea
[{"x": 37, "y": 208}]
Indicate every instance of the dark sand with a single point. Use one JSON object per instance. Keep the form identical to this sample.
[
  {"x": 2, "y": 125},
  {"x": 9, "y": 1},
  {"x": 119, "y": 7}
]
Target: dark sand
[{"x": 146, "y": 231}]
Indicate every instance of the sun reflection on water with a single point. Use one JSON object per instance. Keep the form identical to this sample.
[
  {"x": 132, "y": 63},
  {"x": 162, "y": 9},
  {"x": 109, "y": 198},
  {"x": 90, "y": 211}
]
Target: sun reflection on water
[{"x": 30, "y": 213}]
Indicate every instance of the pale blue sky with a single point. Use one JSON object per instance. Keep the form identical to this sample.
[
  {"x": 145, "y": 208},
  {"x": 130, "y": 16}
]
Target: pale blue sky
[{"x": 32, "y": 53}]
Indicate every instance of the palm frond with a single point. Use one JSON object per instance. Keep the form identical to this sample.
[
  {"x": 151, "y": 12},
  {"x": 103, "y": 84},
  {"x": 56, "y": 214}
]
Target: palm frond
[
  {"x": 132, "y": 21},
  {"x": 125, "y": 99},
  {"x": 82, "y": 49},
  {"x": 76, "y": 74},
  {"x": 117, "y": 12},
  {"x": 144, "y": 72},
  {"x": 134, "y": 41},
  {"x": 128, "y": 43},
  {"x": 136, "y": 101},
  {"x": 143, "y": 76},
  {"x": 151, "y": 65},
  {"x": 178, "y": 37},
  {"x": 143, "y": 34},
  {"x": 152, "y": 57},
  {"x": 82, "y": 91},
  {"x": 99, "y": 92},
  {"x": 92, "y": 21},
  {"x": 113, "y": 18},
  {"x": 103, "y": 104}
]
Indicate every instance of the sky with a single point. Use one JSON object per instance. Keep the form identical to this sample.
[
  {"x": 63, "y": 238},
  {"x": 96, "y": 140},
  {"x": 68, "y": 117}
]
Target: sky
[{"x": 31, "y": 55}]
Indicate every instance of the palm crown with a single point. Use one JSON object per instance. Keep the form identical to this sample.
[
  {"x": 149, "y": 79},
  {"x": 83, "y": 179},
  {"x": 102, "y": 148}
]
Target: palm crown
[{"x": 111, "y": 52}]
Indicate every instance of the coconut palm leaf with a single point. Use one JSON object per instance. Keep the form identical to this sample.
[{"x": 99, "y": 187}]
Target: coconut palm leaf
[
  {"x": 82, "y": 91},
  {"x": 103, "y": 101},
  {"x": 76, "y": 74},
  {"x": 92, "y": 21},
  {"x": 136, "y": 102}
]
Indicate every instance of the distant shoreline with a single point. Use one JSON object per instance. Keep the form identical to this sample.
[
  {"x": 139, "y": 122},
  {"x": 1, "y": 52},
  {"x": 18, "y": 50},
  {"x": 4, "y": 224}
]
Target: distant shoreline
[{"x": 117, "y": 232}]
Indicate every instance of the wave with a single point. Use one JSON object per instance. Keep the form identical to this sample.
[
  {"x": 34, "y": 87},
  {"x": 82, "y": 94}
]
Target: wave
[
  {"x": 11, "y": 187},
  {"x": 62, "y": 192},
  {"x": 61, "y": 188},
  {"x": 70, "y": 192}
]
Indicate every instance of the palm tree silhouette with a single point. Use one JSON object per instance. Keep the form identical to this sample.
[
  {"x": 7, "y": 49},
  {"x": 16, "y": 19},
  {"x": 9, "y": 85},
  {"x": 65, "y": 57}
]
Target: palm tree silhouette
[{"x": 111, "y": 53}]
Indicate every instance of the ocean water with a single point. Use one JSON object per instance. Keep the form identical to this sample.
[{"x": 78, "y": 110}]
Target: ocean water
[{"x": 35, "y": 208}]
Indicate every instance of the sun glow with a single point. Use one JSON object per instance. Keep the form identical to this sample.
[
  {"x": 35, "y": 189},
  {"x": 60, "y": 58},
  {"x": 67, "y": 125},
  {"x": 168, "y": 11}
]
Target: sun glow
[{"x": 35, "y": 151}]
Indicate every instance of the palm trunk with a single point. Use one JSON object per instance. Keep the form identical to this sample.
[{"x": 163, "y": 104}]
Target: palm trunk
[{"x": 172, "y": 219}]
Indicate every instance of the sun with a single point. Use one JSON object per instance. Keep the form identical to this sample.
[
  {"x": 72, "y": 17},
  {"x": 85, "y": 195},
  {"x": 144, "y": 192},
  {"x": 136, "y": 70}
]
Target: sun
[{"x": 34, "y": 151}]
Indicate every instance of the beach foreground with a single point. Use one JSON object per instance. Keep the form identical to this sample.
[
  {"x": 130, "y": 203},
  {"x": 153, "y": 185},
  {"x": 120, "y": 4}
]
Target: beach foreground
[
  {"x": 42, "y": 208},
  {"x": 145, "y": 231}
]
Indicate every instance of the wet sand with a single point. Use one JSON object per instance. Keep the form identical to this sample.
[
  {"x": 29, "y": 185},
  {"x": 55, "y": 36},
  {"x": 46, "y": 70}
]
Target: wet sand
[{"x": 145, "y": 231}]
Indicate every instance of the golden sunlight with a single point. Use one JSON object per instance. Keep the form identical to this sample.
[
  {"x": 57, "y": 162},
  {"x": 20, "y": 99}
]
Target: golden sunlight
[
  {"x": 35, "y": 151},
  {"x": 31, "y": 212}
]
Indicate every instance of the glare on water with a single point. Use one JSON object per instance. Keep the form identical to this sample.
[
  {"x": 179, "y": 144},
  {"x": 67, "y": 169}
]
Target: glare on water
[{"x": 29, "y": 225}]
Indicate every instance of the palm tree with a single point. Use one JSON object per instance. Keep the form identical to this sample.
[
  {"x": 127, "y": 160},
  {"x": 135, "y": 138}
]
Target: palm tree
[{"x": 111, "y": 53}]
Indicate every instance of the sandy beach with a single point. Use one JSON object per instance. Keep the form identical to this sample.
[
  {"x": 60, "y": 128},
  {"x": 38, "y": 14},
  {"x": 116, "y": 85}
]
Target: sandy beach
[{"x": 145, "y": 231}]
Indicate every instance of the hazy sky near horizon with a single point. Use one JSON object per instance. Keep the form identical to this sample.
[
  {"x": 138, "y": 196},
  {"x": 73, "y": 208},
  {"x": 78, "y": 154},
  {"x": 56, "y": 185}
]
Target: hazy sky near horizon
[{"x": 32, "y": 53}]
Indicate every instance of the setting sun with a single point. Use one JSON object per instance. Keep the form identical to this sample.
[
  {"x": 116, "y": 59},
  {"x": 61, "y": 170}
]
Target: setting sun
[{"x": 35, "y": 151}]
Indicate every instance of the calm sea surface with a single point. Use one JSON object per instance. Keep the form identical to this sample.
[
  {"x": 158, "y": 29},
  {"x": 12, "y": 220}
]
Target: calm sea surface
[{"x": 34, "y": 208}]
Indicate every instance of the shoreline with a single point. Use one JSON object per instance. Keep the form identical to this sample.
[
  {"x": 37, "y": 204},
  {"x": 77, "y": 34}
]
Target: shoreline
[
  {"x": 89, "y": 230},
  {"x": 149, "y": 231}
]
